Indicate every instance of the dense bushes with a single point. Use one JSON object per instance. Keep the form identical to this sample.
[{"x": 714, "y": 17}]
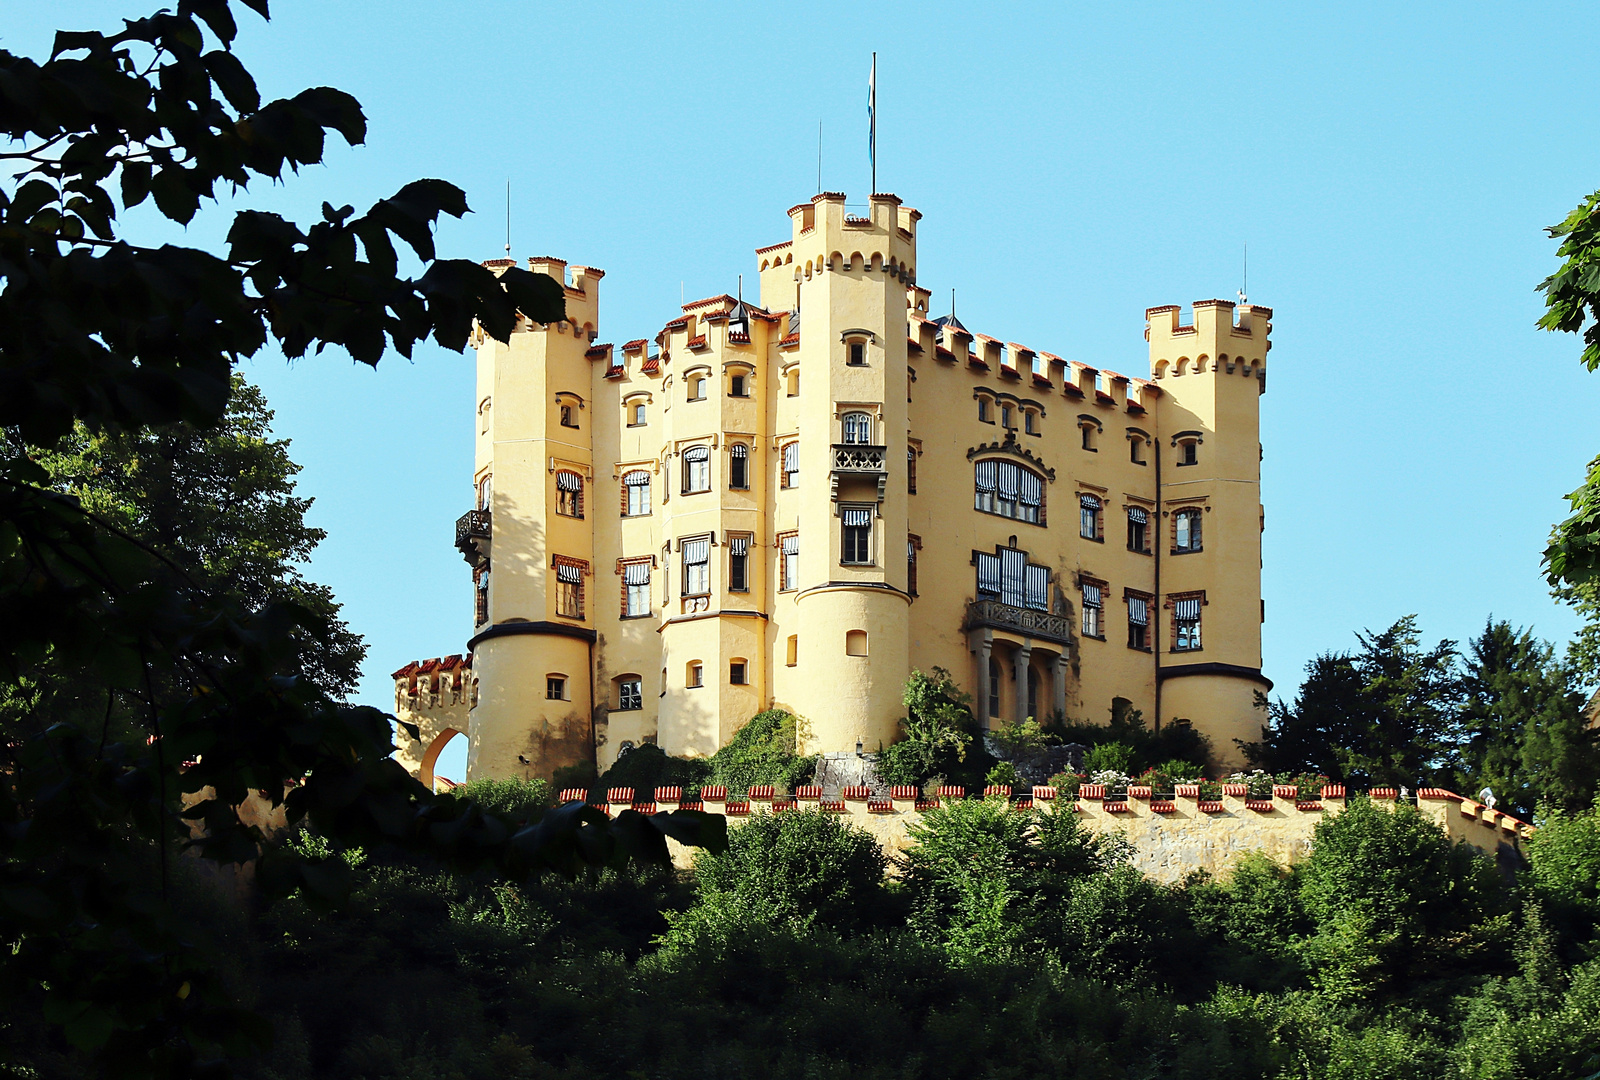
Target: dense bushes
[{"x": 766, "y": 750}]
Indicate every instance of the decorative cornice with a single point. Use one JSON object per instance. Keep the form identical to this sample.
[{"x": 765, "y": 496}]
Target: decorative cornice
[
  {"x": 1009, "y": 445},
  {"x": 513, "y": 628}
]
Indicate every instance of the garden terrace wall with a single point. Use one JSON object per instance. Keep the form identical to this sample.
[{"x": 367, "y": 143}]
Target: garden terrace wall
[{"x": 1171, "y": 838}]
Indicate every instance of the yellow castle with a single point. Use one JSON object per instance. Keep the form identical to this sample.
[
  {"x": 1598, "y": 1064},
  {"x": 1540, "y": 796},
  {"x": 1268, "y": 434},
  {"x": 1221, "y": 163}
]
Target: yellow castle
[{"x": 797, "y": 503}]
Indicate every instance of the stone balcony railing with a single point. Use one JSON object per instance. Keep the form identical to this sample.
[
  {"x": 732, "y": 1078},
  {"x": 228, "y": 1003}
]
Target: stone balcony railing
[
  {"x": 1038, "y": 624},
  {"x": 859, "y": 458},
  {"x": 473, "y": 532}
]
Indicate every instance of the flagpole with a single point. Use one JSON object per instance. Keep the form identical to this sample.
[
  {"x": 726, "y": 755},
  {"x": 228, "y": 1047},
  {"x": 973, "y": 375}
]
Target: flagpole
[{"x": 872, "y": 123}]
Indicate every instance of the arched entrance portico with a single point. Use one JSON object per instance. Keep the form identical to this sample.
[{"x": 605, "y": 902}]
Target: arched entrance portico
[
  {"x": 1017, "y": 676},
  {"x": 431, "y": 755}
]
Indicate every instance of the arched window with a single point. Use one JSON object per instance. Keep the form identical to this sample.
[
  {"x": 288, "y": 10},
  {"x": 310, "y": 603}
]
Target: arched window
[
  {"x": 1009, "y": 490},
  {"x": 1089, "y": 517},
  {"x": 791, "y": 465},
  {"x": 569, "y": 494},
  {"x": 636, "y": 493},
  {"x": 1186, "y": 531},
  {"x": 697, "y": 567},
  {"x": 857, "y": 428},
  {"x": 486, "y": 491},
  {"x": 696, "y": 470},
  {"x": 630, "y": 693},
  {"x": 739, "y": 467}
]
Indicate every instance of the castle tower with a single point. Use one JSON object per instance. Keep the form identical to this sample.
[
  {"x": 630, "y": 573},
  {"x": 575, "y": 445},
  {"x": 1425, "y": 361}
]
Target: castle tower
[
  {"x": 844, "y": 621},
  {"x": 1208, "y": 645},
  {"x": 529, "y": 542}
]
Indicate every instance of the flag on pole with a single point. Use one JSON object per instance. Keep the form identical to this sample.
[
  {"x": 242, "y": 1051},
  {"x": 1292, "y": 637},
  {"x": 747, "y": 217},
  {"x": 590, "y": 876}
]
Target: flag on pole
[{"x": 872, "y": 121}]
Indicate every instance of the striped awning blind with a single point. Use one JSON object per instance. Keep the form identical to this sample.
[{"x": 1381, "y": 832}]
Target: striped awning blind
[
  {"x": 636, "y": 573},
  {"x": 569, "y": 481},
  {"x": 1137, "y": 515},
  {"x": 1038, "y": 597},
  {"x": 1013, "y": 568},
  {"x": 568, "y": 573},
  {"x": 1091, "y": 595},
  {"x": 739, "y": 449},
  {"x": 791, "y": 545},
  {"x": 1089, "y": 502},
  {"x": 697, "y": 453},
  {"x": 988, "y": 574},
  {"x": 696, "y": 551},
  {"x": 738, "y": 545},
  {"x": 1032, "y": 488},
  {"x": 1008, "y": 480},
  {"x": 637, "y": 478},
  {"x": 1138, "y": 611},
  {"x": 986, "y": 475},
  {"x": 857, "y": 518},
  {"x": 1187, "y": 610},
  {"x": 791, "y": 457}
]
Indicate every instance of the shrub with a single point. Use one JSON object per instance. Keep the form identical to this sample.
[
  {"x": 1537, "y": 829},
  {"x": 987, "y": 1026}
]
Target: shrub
[
  {"x": 518, "y": 799},
  {"x": 1108, "y": 757},
  {"x": 1066, "y": 785},
  {"x": 1004, "y": 773},
  {"x": 1020, "y": 740},
  {"x": 766, "y": 750},
  {"x": 801, "y": 865},
  {"x": 647, "y": 767},
  {"x": 939, "y": 735}
]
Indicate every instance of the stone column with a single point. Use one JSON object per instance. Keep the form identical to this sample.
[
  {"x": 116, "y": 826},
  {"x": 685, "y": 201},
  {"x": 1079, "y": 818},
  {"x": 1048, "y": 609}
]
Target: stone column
[
  {"x": 1023, "y": 674},
  {"x": 981, "y": 643},
  {"x": 1058, "y": 692}
]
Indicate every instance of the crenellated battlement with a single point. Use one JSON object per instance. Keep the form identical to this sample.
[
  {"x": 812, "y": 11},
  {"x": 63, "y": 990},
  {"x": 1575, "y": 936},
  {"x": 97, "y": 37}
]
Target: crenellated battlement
[
  {"x": 1218, "y": 336},
  {"x": 1172, "y": 836}
]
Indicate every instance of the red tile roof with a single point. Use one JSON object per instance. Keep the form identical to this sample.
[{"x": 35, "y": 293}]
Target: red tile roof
[{"x": 635, "y": 345}]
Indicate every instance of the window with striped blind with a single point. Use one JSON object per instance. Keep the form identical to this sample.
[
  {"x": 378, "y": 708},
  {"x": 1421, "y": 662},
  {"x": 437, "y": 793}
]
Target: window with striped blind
[
  {"x": 1009, "y": 577},
  {"x": 636, "y": 494},
  {"x": 569, "y": 587},
  {"x": 1008, "y": 490},
  {"x": 856, "y": 535},
  {"x": 1186, "y": 621},
  {"x": 569, "y": 494},
  {"x": 788, "y": 562},
  {"x": 1093, "y": 610},
  {"x": 1138, "y": 619},
  {"x": 791, "y": 465},
  {"x": 697, "y": 566},
  {"x": 738, "y": 564},
  {"x": 696, "y": 470}
]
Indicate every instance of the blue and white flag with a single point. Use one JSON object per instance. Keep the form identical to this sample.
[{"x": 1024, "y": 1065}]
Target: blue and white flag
[{"x": 872, "y": 119}]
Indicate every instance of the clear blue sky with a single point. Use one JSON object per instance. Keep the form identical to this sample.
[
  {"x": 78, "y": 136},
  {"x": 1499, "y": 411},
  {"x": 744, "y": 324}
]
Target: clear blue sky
[{"x": 1390, "y": 167}]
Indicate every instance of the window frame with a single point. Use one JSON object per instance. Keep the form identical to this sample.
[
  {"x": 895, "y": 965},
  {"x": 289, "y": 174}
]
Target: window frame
[
  {"x": 789, "y": 478},
  {"x": 569, "y": 594},
  {"x": 739, "y": 562},
  {"x": 788, "y": 574},
  {"x": 738, "y": 466},
  {"x": 555, "y": 688},
  {"x": 1092, "y": 608},
  {"x": 1025, "y": 482},
  {"x": 1187, "y": 634},
  {"x": 623, "y": 696},
  {"x": 1091, "y": 519},
  {"x": 1193, "y": 534},
  {"x": 1140, "y": 635},
  {"x": 632, "y": 591},
  {"x": 700, "y": 455},
  {"x": 1142, "y": 535},
  {"x": 700, "y": 568},
  {"x": 569, "y": 500},
  {"x": 642, "y": 506},
  {"x": 741, "y": 676},
  {"x": 855, "y": 428},
  {"x": 856, "y": 535}
]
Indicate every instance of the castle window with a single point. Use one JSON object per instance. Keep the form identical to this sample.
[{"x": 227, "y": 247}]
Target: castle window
[
  {"x": 792, "y": 653},
  {"x": 697, "y": 567},
  {"x": 1009, "y": 577},
  {"x": 1030, "y": 422},
  {"x": 911, "y": 470},
  {"x": 1093, "y": 621},
  {"x": 483, "y": 416},
  {"x": 569, "y": 416},
  {"x": 480, "y": 593},
  {"x": 636, "y": 589},
  {"x": 696, "y": 470},
  {"x": 855, "y": 643},
  {"x": 985, "y": 413},
  {"x": 694, "y": 675},
  {"x": 1089, "y": 432},
  {"x": 486, "y": 491},
  {"x": 1136, "y": 449},
  {"x": 697, "y": 387},
  {"x": 1186, "y": 622},
  {"x": 630, "y": 693},
  {"x": 793, "y": 388},
  {"x": 1138, "y": 621},
  {"x": 1009, "y": 490},
  {"x": 857, "y": 428},
  {"x": 569, "y": 494},
  {"x": 738, "y": 564},
  {"x": 1139, "y": 529},
  {"x": 788, "y": 562},
  {"x": 791, "y": 465},
  {"x": 569, "y": 588},
  {"x": 1188, "y": 452},
  {"x": 737, "y": 673},
  {"x": 737, "y": 386},
  {"x": 555, "y": 688},
  {"x": 1186, "y": 531},
  {"x": 857, "y": 536},
  {"x": 1089, "y": 517},
  {"x": 1005, "y": 417},
  {"x": 856, "y": 355},
  {"x": 912, "y": 543},
  {"x": 636, "y": 494},
  {"x": 636, "y": 414},
  {"x": 739, "y": 467}
]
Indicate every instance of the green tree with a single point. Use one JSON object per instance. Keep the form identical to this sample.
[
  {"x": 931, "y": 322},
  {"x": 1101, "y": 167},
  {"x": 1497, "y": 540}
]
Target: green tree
[
  {"x": 939, "y": 736},
  {"x": 1388, "y": 714},
  {"x": 125, "y": 338},
  {"x": 219, "y": 503}
]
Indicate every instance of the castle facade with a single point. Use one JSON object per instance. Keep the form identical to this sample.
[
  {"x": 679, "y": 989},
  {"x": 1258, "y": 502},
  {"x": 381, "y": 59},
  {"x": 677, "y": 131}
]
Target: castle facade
[{"x": 796, "y": 503}]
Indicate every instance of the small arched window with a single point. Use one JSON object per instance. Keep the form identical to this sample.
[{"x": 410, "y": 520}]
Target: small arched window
[
  {"x": 484, "y": 408},
  {"x": 569, "y": 494},
  {"x": 857, "y": 428},
  {"x": 739, "y": 467},
  {"x": 630, "y": 693},
  {"x": 636, "y": 494},
  {"x": 1186, "y": 531},
  {"x": 486, "y": 491},
  {"x": 696, "y": 470},
  {"x": 1188, "y": 452}
]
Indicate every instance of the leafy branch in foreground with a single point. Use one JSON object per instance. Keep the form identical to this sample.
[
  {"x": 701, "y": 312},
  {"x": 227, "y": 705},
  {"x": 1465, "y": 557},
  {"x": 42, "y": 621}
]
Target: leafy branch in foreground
[{"x": 183, "y": 690}]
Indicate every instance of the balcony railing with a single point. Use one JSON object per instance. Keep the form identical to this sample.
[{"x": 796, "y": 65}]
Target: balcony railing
[
  {"x": 1039, "y": 624},
  {"x": 471, "y": 527},
  {"x": 859, "y": 458}
]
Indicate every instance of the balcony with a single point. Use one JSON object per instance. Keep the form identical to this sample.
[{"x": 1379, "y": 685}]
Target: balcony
[
  {"x": 1038, "y": 624},
  {"x": 473, "y": 533},
  {"x": 859, "y": 460}
]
